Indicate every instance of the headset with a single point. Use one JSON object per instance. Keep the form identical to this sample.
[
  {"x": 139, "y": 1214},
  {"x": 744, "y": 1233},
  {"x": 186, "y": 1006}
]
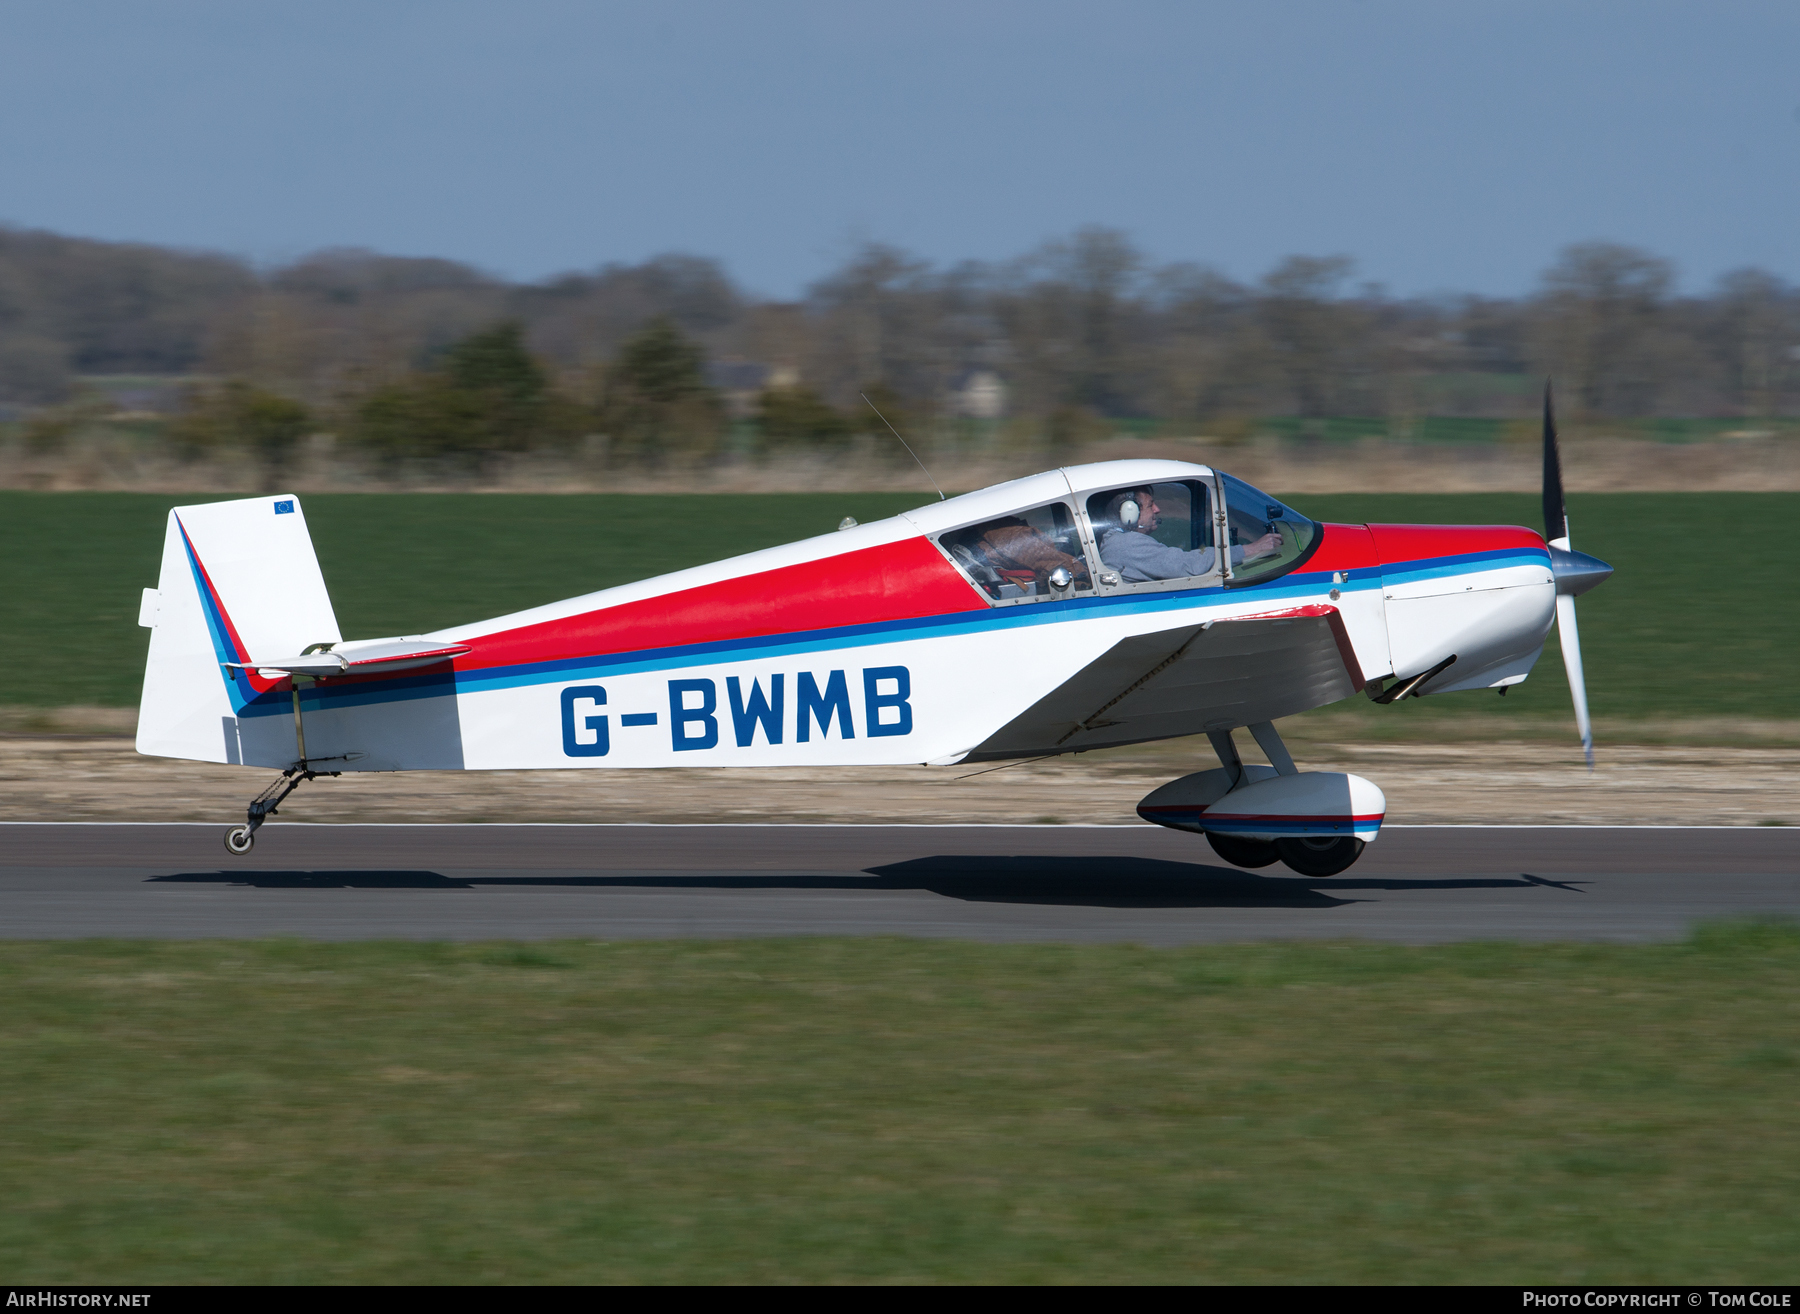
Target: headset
[{"x": 1129, "y": 510}]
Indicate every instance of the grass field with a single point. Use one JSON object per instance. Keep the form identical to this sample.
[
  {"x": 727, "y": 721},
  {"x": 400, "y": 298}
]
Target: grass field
[
  {"x": 884, "y": 1110},
  {"x": 1697, "y": 623},
  {"x": 1523, "y": 431}
]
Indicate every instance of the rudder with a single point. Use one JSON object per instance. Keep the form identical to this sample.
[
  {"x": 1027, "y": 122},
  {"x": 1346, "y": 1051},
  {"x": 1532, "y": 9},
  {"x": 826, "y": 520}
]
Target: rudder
[{"x": 239, "y": 582}]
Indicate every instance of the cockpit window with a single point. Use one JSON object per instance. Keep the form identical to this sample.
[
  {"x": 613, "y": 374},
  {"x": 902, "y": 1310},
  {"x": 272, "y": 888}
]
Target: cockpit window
[
  {"x": 1180, "y": 514},
  {"x": 1154, "y": 531},
  {"x": 1017, "y": 555},
  {"x": 1157, "y": 532},
  {"x": 1256, "y": 521}
]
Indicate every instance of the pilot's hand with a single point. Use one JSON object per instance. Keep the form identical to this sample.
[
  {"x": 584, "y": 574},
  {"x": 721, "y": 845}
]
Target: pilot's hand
[{"x": 1266, "y": 546}]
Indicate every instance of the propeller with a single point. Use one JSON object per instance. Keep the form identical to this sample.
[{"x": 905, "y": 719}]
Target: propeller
[{"x": 1576, "y": 573}]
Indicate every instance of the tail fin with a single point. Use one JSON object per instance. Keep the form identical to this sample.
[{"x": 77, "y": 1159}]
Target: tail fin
[{"x": 239, "y": 581}]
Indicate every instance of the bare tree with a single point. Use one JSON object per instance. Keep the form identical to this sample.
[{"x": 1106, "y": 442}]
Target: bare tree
[
  {"x": 1085, "y": 332},
  {"x": 877, "y": 321},
  {"x": 1210, "y": 357},
  {"x": 1754, "y": 323},
  {"x": 1310, "y": 331},
  {"x": 1601, "y": 327}
]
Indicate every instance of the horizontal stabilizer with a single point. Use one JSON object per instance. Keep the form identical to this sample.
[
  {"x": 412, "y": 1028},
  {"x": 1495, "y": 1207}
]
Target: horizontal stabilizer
[{"x": 376, "y": 657}]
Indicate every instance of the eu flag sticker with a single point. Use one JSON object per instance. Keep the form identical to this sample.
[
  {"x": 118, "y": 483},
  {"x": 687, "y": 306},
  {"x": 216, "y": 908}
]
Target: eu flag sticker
[{"x": 285, "y": 507}]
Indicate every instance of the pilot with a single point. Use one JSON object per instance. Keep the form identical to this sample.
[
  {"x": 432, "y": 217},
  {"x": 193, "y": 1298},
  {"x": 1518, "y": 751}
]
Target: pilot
[
  {"x": 1125, "y": 544},
  {"x": 1014, "y": 548}
]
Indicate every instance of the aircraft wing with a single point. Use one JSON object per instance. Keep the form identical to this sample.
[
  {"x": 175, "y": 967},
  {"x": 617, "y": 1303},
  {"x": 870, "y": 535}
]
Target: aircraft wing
[{"x": 1184, "y": 681}]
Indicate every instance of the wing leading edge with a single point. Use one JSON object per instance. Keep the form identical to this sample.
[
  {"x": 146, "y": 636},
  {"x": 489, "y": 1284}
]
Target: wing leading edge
[{"x": 1216, "y": 675}]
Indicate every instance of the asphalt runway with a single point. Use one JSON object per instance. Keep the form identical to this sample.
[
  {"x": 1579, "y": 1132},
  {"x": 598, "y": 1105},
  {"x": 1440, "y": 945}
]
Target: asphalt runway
[{"x": 1139, "y": 884}]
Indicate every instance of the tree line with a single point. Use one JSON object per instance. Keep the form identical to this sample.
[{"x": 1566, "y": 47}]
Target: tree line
[{"x": 423, "y": 358}]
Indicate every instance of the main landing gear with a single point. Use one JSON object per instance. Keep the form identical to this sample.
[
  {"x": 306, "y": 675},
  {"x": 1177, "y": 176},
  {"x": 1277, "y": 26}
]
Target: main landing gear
[
  {"x": 1310, "y": 855},
  {"x": 240, "y": 839},
  {"x": 1319, "y": 855},
  {"x": 1241, "y": 852}
]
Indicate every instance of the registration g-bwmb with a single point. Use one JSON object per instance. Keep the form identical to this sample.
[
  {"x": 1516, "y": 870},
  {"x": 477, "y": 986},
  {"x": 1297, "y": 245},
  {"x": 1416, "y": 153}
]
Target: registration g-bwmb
[{"x": 1081, "y": 608}]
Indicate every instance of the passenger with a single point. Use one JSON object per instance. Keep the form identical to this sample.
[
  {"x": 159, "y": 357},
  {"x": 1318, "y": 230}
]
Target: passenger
[
  {"x": 1015, "y": 548},
  {"x": 1125, "y": 543}
]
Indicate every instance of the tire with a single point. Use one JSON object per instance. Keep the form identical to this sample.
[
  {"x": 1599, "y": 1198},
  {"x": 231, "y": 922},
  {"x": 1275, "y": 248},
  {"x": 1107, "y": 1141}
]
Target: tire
[
  {"x": 1241, "y": 852},
  {"x": 1319, "y": 857},
  {"x": 239, "y": 840}
]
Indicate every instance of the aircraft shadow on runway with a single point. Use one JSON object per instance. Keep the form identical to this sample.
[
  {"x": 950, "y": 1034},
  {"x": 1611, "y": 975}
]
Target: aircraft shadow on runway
[
  {"x": 1099, "y": 882},
  {"x": 1146, "y": 883},
  {"x": 344, "y": 879}
]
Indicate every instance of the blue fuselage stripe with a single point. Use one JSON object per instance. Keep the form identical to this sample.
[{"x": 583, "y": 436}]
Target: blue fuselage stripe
[{"x": 1311, "y": 584}]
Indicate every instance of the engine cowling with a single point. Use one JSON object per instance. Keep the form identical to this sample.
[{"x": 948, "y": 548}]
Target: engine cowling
[{"x": 1482, "y": 594}]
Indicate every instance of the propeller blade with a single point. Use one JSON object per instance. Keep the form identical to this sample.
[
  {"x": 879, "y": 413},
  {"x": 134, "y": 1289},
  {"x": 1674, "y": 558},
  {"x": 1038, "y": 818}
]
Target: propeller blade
[
  {"x": 1575, "y": 572},
  {"x": 1571, "y": 651},
  {"x": 1556, "y": 513}
]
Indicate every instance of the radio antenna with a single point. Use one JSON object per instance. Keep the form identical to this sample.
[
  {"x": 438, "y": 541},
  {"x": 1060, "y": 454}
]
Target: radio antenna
[{"x": 903, "y": 443}]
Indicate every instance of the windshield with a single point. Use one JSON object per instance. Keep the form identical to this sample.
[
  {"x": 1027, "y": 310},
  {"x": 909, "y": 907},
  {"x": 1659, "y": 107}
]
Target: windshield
[{"x": 1253, "y": 516}]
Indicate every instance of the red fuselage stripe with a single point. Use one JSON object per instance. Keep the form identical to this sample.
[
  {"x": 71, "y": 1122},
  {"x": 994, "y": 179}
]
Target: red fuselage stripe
[
  {"x": 1271, "y": 816},
  {"x": 895, "y": 581},
  {"x": 900, "y": 581},
  {"x": 1397, "y": 544}
]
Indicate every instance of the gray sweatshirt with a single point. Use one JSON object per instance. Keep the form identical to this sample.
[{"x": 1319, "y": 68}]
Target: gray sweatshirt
[{"x": 1138, "y": 557}]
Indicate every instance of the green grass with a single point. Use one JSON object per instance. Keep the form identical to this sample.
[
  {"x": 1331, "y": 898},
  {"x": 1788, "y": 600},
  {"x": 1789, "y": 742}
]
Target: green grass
[
  {"x": 1487, "y": 429},
  {"x": 1426, "y": 428},
  {"x": 1697, "y": 623},
  {"x": 885, "y": 1110}
]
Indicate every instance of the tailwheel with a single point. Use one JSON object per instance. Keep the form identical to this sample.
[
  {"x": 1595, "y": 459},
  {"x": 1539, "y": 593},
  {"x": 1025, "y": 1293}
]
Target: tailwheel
[
  {"x": 1242, "y": 852},
  {"x": 239, "y": 839},
  {"x": 1318, "y": 856}
]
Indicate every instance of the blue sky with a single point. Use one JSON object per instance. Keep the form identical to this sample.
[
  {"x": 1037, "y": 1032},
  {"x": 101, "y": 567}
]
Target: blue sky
[{"x": 1445, "y": 146}]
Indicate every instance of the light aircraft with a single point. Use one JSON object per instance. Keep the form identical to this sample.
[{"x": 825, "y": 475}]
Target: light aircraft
[{"x": 1011, "y": 623}]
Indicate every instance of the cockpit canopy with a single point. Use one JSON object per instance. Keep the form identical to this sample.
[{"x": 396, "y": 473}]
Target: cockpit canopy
[
  {"x": 1157, "y": 534},
  {"x": 1180, "y": 515}
]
